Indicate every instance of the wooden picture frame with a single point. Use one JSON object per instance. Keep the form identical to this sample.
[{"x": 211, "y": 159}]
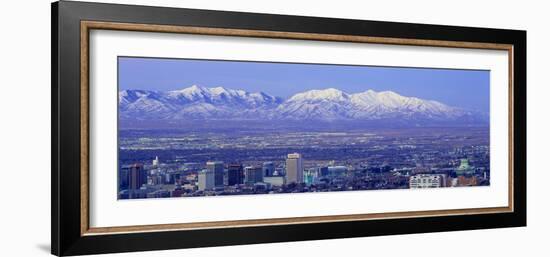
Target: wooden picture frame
[{"x": 71, "y": 25}]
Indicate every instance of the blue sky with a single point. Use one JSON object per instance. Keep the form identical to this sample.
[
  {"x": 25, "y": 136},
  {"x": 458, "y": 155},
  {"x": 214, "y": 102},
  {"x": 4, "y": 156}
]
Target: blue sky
[{"x": 461, "y": 88}]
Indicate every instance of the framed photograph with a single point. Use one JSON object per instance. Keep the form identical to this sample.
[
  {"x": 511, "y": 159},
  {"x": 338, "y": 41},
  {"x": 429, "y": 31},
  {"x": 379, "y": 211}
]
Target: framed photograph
[{"x": 178, "y": 128}]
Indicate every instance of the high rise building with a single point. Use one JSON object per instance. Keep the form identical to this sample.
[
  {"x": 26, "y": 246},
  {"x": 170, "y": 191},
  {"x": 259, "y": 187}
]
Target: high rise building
[
  {"x": 234, "y": 174},
  {"x": 123, "y": 177},
  {"x": 206, "y": 179},
  {"x": 294, "y": 168},
  {"x": 310, "y": 176},
  {"x": 156, "y": 162},
  {"x": 133, "y": 176},
  {"x": 216, "y": 168},
  {"x": 268, "y": 168},
  {"x": 253, "y": 174}
]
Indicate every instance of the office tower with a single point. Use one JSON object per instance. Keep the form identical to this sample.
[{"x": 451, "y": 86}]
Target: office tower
[
  {"x": 310, "y": 176},
  {"x": 156, "y": 162},
  {"x": 217, "y": 169},
  {"x": 253, "y": 174},
  {"x": 268, "y": 169},
  {"x": 206, "y": 179},
  {"x": 294, "y": 168},
  {"x": 123, "y": 177},
  {"x": 234, "y": 174},
  {"x": 134, "y": 175}
]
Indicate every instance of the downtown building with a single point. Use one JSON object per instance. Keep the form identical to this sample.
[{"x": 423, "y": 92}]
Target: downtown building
[
  {"x": 131, "y": 180},
  {"x": 272, "y": 176},
  {"x": 268, "y": 169},
  {"x": 465, "y": 169},
  {"x": 427, "y": 181},
  {"x": 253, "y": 174},
  {"x": 132, "y": 176},
  {"x": 206, "y": 180},
  {"x": 235, "y": 174},
  {"x": 310, "y": 176},
  {"x": 294, "y": 168},
  {"x": 218, "y": 170},
  {"x": 278, "y": 181}
]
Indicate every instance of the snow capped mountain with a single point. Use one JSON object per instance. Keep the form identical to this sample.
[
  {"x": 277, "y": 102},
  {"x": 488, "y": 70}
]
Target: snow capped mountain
[
  {"x": 194, "y": 102},
  {"x": 220, "y": 95},
  {"x": 333, "y": 104},
  {"x": 218, "y": 103},
  {"x": 329, "y": 94},
  {"x": 388, "y": 104},
  {"x": 327, "y": 104}
]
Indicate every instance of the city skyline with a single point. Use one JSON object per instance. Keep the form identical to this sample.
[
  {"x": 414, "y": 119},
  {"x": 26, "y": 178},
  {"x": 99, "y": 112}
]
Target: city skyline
[{"x": 191, "y": 164}]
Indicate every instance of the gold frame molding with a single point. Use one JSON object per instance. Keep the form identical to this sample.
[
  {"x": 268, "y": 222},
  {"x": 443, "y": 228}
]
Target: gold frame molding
[{"x": 86, "y": 26}]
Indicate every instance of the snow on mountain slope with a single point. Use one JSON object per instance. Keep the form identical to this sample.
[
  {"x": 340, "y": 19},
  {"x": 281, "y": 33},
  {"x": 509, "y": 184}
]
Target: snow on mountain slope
[
  {"x": 335, "y": 104},
  {"x": 330, "y": 104},
  {"x": 192, "y": 102}
]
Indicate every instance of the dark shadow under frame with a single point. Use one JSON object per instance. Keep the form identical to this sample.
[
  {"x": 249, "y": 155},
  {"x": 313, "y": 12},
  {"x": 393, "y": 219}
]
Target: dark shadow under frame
[{"x": 71, "y": 22}]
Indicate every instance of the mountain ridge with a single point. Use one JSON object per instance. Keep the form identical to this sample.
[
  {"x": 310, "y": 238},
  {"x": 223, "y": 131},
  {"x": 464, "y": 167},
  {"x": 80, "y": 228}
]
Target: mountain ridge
[{"x": 330, "y": 104}]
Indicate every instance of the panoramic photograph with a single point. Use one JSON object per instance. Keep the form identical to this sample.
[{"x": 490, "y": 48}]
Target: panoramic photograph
[{"x": 193, "y": 128}]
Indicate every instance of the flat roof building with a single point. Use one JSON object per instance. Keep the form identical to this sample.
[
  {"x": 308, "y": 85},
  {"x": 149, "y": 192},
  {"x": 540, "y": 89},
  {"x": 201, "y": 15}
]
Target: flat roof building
[
  {"x": 426, "y": 181},
  {"x": 218, "y": 170},
  {"x": 206, "y": 180},
  {"x": 294, "y": 168}
]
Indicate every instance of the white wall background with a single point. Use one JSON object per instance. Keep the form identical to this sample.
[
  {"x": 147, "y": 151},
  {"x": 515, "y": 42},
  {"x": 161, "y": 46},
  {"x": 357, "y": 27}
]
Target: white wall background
[{"x": 25, "y": 127}]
